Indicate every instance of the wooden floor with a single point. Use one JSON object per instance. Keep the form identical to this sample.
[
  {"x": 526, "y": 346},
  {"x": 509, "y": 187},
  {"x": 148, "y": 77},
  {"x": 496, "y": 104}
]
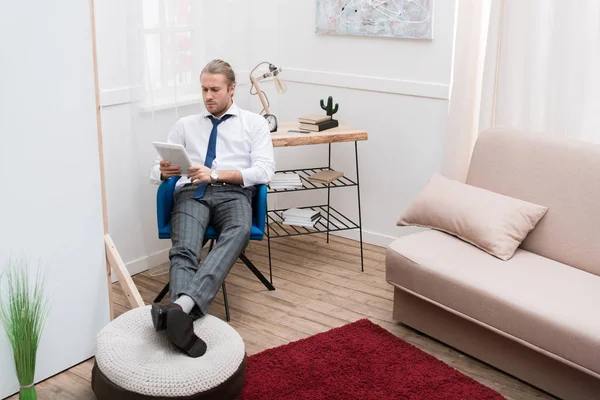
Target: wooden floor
[{"x": 319, "y": 287}]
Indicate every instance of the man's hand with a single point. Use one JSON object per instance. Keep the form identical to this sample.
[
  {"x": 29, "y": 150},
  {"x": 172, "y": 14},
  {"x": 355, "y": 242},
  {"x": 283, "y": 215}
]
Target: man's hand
[
  {"x": 199, "y": 173},
  {"x": 167, "y": 170}
]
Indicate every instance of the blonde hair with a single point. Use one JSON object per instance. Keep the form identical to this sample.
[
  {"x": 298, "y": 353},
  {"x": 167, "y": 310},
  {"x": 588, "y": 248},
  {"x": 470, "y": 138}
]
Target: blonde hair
[{"x": 220, "y": 67}]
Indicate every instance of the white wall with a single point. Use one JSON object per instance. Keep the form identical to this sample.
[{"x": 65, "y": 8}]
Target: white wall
[
  {"x": 395, "y": 89},
  {"x": 51, "y": 202},
  {"x": 128, "y": 132}
]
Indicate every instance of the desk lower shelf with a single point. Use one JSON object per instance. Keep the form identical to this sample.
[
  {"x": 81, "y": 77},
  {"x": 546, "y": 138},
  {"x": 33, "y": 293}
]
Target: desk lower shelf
[
  {"x": 304, "y": 175},
  {"x": 337, "y": 222}
]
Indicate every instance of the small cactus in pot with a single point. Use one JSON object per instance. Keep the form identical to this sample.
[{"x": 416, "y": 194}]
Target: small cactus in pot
[{"x": 330, "y": 108}]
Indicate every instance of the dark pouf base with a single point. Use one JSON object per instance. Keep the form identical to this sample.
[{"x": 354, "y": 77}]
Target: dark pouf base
[{"x": 104, "y": 389}]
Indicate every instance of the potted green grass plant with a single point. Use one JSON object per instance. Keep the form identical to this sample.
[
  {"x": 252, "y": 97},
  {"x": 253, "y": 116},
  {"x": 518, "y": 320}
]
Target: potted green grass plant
[{"x": 23, "y": 312}]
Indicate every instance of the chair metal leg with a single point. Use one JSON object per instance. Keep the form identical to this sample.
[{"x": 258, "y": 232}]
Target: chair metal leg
[
  {"x": 226, "y": 302},
  {"x": 162, "y": 294},
  {"x": 227, "y": 316},
  {"x": 246, "y": 261},
  {"x": 256, "y": 272}
]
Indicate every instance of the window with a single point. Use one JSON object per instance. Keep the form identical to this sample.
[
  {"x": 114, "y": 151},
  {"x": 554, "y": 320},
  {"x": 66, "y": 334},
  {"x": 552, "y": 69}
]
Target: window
[{"x": 168, "y": 33}]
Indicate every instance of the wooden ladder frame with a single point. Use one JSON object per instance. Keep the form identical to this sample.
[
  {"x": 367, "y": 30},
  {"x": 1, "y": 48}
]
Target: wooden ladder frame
[{"x": 113, "y": 259}]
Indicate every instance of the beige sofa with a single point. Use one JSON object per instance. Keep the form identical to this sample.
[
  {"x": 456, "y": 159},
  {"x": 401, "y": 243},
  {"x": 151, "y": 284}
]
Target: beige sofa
[{"x": 537, "y": 315}]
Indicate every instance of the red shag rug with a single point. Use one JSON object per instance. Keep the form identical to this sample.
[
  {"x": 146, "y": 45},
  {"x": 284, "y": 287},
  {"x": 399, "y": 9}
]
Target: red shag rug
[{"x": 360, "y": 360}]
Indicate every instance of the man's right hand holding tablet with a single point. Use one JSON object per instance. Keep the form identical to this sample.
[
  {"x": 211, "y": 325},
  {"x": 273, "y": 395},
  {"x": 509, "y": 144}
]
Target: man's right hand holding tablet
[{"x": 167, "y": 170}]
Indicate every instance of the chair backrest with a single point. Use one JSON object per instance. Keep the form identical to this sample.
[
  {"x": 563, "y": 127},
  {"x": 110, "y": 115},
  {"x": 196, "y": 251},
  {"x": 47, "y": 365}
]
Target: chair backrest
[
  {"x": 165, "y": 202},
  {"x": 164, "y": 206},
  {"x": 259, "y": 212},
  {"x": 561, "y": 175}
]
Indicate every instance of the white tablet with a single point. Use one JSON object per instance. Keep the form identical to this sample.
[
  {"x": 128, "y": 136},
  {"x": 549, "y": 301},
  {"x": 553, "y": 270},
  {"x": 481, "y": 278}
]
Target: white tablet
[{"x": 175, "y": 153}]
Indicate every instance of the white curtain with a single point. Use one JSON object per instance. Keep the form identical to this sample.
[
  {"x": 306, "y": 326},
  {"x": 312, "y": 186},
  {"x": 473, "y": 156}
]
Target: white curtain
[
  {"x": 472, "y": 25},
  {"x": 541, "y": 72},
  {"x": 172, "y": 52},
  {"x": 164, "y": 59},
  {"x": 549, "y": 69}
]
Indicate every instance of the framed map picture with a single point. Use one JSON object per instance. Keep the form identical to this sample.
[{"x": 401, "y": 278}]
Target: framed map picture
[{"x": 409, "y": 19}]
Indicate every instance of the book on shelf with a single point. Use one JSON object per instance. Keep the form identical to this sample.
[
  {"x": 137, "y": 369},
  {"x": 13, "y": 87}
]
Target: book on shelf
[
  {"x": 301, "y": 217},
  {"x": 314, "y": 119},
  {"x": 303, "y": 220},
  {"x": 303, "y": 224},
  {"x": 321, "y": 126},
  {"x": 300, "y": 213},
  {"x": 325, "y": 176},
  {"x": 285, "y": 181}
]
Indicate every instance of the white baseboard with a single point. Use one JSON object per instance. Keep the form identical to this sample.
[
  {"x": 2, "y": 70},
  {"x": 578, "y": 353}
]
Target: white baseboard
[
  {"x": 374, "y": 238},
  {"x": 145, "y": 263}
]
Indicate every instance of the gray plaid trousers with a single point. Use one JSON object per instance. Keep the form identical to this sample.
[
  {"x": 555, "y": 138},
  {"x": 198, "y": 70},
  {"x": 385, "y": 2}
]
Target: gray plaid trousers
[{"x": 228, "y": 209}]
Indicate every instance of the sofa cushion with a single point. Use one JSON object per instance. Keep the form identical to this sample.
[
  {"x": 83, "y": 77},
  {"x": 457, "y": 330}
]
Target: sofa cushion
[
  {"x": 540, "y": 301},
  {"x": 561, "y": 175},
  {"x": 493, "y": 222}
]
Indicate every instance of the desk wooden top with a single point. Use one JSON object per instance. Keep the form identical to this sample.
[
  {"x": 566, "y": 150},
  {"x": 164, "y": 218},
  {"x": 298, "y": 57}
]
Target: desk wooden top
[{"x": 343, "y": 133}]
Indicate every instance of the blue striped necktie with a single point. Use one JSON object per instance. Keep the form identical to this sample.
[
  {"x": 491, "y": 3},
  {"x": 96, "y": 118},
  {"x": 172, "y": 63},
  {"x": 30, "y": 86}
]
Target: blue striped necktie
[{"x": 211, "y": 152}]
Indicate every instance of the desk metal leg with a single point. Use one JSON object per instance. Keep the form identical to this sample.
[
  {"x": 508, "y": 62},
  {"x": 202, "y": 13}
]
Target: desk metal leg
[
  {"x": 362, "y": 265},
  {"x": 328, "y": 192},
  {"x": 269, "y": 248}
]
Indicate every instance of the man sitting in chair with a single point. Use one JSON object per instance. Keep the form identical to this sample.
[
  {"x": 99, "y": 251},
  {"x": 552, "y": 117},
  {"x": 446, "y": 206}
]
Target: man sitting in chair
[{"x": 231, "y": 150}]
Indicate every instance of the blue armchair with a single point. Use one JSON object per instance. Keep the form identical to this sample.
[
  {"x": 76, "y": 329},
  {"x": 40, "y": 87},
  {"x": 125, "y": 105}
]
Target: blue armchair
[{"x": 164, "y": 207}]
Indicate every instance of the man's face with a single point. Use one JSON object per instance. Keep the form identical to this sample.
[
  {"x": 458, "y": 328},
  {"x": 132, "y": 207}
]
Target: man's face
[{"x": 217, "y": 96}]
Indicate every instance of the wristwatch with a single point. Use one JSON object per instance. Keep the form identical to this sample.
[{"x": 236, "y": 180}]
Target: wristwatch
[{"x": 214, "y": 176}]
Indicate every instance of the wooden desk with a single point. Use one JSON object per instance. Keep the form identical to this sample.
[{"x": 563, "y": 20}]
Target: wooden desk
[
  {"x": 343, "y": 133},
  {"x": 331, "y": 219}
]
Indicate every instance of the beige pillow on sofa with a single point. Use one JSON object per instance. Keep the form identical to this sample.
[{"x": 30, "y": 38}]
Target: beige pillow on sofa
[{"x": 493, "y": 222}]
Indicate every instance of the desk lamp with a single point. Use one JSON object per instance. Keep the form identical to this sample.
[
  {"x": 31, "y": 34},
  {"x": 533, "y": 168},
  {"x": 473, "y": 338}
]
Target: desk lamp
[{"x": 255, "y": 77}]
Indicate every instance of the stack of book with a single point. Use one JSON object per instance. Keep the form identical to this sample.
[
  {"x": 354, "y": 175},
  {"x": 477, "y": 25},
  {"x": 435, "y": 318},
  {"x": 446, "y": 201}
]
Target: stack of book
[
  {"x": 301, "y": 217},
  {"x": 286, "y": 181},
  {"x": 317, "y": 123},
  {"x": 325, "y": 176}
]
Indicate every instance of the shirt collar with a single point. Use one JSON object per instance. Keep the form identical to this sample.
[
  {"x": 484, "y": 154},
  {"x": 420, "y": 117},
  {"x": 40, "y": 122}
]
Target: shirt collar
[{"x": 233, "y": 110}]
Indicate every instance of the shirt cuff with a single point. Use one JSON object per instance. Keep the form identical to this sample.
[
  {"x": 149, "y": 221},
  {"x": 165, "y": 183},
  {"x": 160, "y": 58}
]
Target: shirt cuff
[
  {"x": 247, "y": 177},
  {"x": 155, "y": 176},
  {"x": 253, "y": 176}
]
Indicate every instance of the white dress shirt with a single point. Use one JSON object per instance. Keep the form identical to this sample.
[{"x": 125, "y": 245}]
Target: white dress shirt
[{"x": 243, "y": 144}]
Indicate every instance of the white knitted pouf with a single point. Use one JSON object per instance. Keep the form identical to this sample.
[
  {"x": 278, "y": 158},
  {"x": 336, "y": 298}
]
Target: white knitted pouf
[{"x": 134, "y": 361}]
